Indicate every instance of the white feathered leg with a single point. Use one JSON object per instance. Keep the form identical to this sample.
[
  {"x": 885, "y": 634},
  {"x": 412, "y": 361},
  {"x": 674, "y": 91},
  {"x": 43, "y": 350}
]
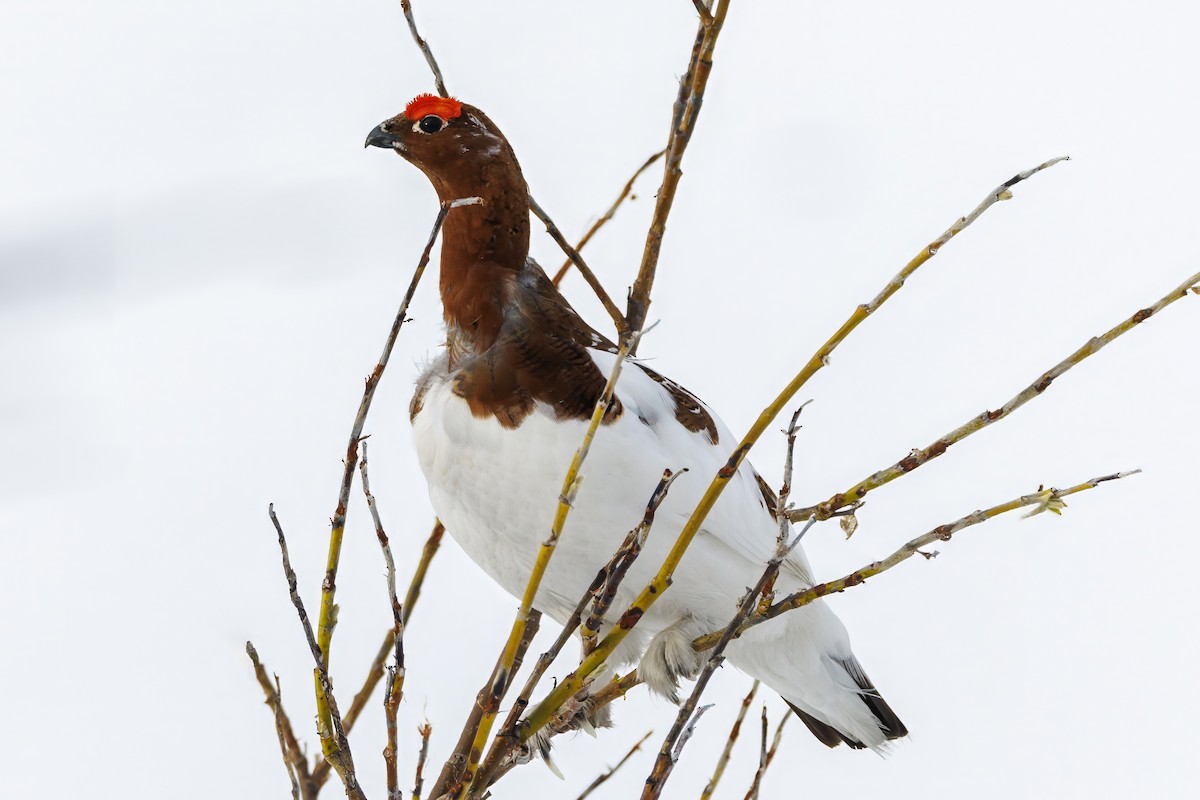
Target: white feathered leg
[{"x": 670, "y": 657}]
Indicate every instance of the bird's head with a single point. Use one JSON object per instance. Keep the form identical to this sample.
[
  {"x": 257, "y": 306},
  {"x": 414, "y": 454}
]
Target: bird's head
[{"x": 461, "y": 151}]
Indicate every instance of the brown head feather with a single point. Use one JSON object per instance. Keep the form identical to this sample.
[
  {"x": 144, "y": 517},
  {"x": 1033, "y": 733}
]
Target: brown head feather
[{"x": 512, "y": 339}]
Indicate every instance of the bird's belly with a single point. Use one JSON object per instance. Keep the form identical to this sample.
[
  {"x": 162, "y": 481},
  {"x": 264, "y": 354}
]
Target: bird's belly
[{"x": 496, "y": 490}]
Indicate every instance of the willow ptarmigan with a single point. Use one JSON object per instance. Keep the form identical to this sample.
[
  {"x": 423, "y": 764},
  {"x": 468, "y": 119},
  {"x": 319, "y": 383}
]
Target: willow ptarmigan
[{"x": 498, "y": 416}]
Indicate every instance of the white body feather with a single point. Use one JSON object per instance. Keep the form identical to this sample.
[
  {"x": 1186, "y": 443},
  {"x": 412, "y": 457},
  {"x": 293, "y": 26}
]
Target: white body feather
[{"x": 496, "y": 489}]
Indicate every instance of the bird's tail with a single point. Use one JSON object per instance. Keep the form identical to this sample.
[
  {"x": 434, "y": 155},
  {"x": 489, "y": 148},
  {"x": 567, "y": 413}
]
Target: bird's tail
[
  {"x": 885, "y": 719},
  {"x": 805, "y": 656}
]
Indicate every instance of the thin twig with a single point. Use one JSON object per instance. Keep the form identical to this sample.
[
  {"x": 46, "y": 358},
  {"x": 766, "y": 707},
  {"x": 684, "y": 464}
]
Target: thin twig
[
  {"x": 541, "y": 714},
  {"x": 395, "y": 681},
  {"x": 419, "y": 779},
  {"x": 764, "y": 762},
  {"x": 612, "y": 770},
  {"x": 451, "y": 780},
  {"x": 600, "y": 593},
  {"x": 703, "y": 10},
  {"x": 610, "y": 692},
  {"x": 667, "y": 755},
  {"x": 584, "y": 270},
  {"x": 618, "y": 567},
  {"x": 279, "y": 732},
  {"x": 506, "y": 739},
  {"x": 494, "y": 693},
  {"x": 767, "y": 595},
  {"x": 1046, "y": 499},
  {"x": 608, "y": 215},
  {"x": 332, "y": 734},
  {"x": 406, "y": 6},
  {"x": 326, "y": 618},
  {"x": 683, "y": 123},
  {"x": 289, "y": 747},
  {"x": 688, "y": 730},
  {"x": 918, "y": 457},
  {"x": 376, "y": 671},
  {"x": 734, "y": 732}
]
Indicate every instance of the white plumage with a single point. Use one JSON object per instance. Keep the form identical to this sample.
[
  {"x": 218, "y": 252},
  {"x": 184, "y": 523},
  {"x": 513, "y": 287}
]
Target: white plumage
[
  {"x": 496, "y": 489},
  {"x": 498, "y": 418}
]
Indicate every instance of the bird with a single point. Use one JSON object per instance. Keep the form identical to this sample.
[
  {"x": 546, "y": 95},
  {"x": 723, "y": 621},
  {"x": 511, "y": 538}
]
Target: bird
[{"x": 498, "y": 414}]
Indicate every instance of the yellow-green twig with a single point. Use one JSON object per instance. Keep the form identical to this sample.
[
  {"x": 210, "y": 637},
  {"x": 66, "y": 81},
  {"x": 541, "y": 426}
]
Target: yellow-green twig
[
  {"x": 333, "y": 735},
  {"x": 975, "y": 424},
  {"x": 327, "y": 616},
  {"x": 376, "y": 671},
  {"x": 1044, "y": 499},
  {"x": 662, "y": 581},
  {"x": 599, "y": 596},
  {"x": 566, "y": 497}
]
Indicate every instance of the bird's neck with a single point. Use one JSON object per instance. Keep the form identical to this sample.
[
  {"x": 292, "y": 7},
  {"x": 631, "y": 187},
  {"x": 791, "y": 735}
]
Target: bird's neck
[{"x": 484, "y": 248}]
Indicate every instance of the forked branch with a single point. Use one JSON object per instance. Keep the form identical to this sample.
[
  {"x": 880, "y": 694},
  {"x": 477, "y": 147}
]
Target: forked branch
[
  {"x": 332, "y": 734},
  {"x": 338, "y": 526},
  {"x": 919, "y": 457},
  {"x": 543, "y": 712},
  {"x": 1043, "y": 500}
]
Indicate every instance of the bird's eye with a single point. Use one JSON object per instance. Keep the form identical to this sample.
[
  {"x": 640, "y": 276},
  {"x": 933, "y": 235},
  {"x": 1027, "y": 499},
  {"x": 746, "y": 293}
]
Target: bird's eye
[{"x": 431, "y": 123}]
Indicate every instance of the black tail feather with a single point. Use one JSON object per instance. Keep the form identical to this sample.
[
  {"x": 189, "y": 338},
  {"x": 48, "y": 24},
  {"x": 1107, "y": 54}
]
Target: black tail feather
[
  {"x": 830, "y": 736},
  {"x": 892, "y": 726},
  {"x": 826, "y": 734}
]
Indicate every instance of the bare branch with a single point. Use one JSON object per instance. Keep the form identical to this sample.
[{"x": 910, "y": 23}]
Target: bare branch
[
  {"x": 326, "y": 618},
  {"x": 668, "y": 754},
  {"x": 503, "y": 675},
  {"x": 406, "y": 6},
  {"x": 600, "y": 593},
  {"x": 395, "y": 682},
  {"x": 616, "y": 569},
  {"x": 767, "y": 756},
  {"x": 767, "y": 595},
  {"x": 584, "y": 270},
  {"x": 419, "y": 779},
  {"x": 654, "y": 590},
  {"x": 666, "y": 758},
  {"x": 683, "y": 123},
  {"x": 333, "y": 735},
  {"x": 612, "y": 770},
  {"x": 451, "y": 780},
  {"x": 293, "y": 755},
  {"x": 376, "y": 671},
  {"x": 1051, "y": 499},
  {"x": 918, "y": 457},
  {"x": 607, "y": 216},
  {"x": 688, "y": 730},
  {"x": 719, "y": 770}
]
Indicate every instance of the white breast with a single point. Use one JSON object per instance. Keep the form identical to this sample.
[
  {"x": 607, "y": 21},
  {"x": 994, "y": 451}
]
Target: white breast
[{"x": 496, "y": 490}]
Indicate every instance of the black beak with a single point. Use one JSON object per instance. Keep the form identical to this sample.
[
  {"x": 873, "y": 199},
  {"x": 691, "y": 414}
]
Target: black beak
[{"x": 378, "y": 137}]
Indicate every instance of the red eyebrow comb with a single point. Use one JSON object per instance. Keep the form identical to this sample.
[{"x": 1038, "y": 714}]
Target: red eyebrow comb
[{"x": 425, "y": 104}]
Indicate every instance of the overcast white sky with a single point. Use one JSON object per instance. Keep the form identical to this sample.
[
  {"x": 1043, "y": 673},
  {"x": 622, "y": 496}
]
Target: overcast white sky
[{"x": 199, "y": 262}]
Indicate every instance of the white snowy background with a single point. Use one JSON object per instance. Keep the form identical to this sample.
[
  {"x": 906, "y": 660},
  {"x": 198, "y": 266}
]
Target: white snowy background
[{"x": 199, "y": 262}]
